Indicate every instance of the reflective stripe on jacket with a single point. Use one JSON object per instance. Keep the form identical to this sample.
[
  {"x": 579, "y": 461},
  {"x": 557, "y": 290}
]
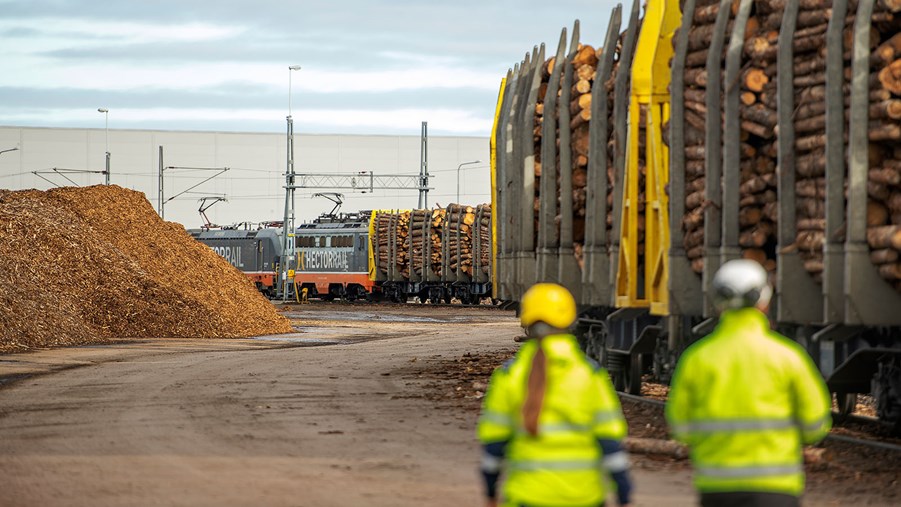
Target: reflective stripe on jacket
[
  {"x": 745, "y": 399},
  {"x": 561, "y": 465}
]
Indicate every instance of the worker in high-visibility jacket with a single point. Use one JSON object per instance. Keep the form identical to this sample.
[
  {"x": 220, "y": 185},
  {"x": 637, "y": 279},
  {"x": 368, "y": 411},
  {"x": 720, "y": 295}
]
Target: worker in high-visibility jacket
[
  {"x": 745, "y": 399},
  {"x": 550, "y": 418}
]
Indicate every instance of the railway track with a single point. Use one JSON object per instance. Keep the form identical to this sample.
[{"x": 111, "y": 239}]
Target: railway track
[
  {"x": 391, "y": 304},
  {"x": 852, "y": 429}
]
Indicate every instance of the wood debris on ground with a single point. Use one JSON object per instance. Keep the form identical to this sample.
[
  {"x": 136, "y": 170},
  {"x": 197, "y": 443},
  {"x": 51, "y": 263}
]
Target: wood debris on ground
[
  {"x": 84, "y": 265},
  {"x": 840, "y": 467}
]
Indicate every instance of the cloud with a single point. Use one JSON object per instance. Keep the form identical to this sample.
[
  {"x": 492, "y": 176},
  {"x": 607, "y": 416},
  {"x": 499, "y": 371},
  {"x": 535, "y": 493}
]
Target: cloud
[
  {"x": 446, "y": 121},
  {"x": 389, "y": 59}
]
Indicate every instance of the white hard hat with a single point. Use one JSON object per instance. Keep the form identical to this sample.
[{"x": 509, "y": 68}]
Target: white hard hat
[{"x": 741, "y": 283}]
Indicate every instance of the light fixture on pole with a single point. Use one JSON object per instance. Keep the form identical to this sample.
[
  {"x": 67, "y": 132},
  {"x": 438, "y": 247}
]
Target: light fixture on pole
[
  {"x": 105, "y": 112},
  {"x": 9, "y": 150},
  {"x": 290, "y": 68},
  {"x": 458, "y": 176},
  {"x": 288, "y": 226}
]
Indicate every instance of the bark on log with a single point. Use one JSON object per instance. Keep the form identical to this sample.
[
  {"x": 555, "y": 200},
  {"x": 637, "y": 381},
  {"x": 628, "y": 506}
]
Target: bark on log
[
  {"x": 877, "y": 213},
  {"x": 886, "y": 109},
  {"x": 887, "y": 52},
  {"x": 884, "y": 256},
  {"x": 886, "y": 176},
  {"x": 812, "y": 224},
  {"x": 890, "y": 271},
  {"x": 811, "y": 164},
  {"x": 696, "y": 76},
  {"x": 890, "y": 77},
  {"x": 779, "y": 5},
  {"x": 756, "y": 237},
  {"x": 754, "y": 254},
  {"x": 884, "y": 132},
  {"x": 808, "y": 241},
  {"x": 761, "y": 115},
  {"x": 887, "y": 236},
  {"x": 706, "y": 15},
  {"x": 654, "y": 446},
  {"x": 892, "y": 5}
]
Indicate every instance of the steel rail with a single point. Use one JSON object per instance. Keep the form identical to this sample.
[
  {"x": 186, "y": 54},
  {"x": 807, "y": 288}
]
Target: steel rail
[{"x": 831, "y": 436}]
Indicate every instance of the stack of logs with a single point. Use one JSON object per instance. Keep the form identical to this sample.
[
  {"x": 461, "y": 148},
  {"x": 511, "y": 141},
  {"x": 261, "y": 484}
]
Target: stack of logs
[
  {"x": 809, "y": 50},
  {"x": 380, "y": 241},
  {"x": 416, "y": 240},
  {"x": 424, "y": 225},
  {"x": 585, "y": 64},
  {"x": 758, "y": 110},
  {"x": 482, "y": 234},
  {"x": 758, "y": 207},
  {"x": 436, "y": 236},
  {"x": 584, "y": 68},
  {"x": 386, "y": 222},
  {"x": 538, "y": 134},
  {"x": 699, "y": 38},
  {"x": 460, "y": 220},
  {"x": 884, "y": 182},
  {"x": 455, "y": 228}
]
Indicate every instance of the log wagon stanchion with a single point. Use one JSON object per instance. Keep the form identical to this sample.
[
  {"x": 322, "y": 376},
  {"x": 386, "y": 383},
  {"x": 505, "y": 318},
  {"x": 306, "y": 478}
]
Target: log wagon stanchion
[{"x": 681, "y": 176}]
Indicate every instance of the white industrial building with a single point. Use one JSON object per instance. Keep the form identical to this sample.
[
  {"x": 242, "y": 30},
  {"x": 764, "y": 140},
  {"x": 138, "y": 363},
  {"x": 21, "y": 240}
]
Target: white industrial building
[{"x": 254, "y": 183}]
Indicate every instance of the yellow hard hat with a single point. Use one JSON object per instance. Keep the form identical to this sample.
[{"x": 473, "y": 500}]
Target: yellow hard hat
[{"x": 548, "y": 303}]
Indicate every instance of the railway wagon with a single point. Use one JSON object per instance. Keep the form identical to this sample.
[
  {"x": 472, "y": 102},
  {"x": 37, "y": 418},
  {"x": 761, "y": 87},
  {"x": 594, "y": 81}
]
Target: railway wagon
[
  {"x": 255, "y": 252},
  {"x": 332, "y": 255},
  {"x": 630, "y": 172},
  {"x": 435, "y": 255},
  {"x": 347, "y": 255}
]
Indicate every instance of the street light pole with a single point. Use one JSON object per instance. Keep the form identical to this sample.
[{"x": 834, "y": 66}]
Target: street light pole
[
  {"x": 290, "y": 68},
  {"x": 288, "y": 226},
  {"x": 458, "y": 176},
  {"x": 105, "y": 112}
]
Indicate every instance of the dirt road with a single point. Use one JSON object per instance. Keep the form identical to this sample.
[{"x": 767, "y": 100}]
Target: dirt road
[{"x": 348, "y": 412}]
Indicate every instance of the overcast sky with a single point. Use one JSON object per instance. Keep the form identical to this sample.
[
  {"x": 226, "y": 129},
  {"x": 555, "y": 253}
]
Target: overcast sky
[{"x": 368, "y": 66}]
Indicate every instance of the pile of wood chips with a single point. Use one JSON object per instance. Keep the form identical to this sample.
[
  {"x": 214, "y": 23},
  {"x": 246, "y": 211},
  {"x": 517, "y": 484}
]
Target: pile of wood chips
[{"x": 83, "y": 265}]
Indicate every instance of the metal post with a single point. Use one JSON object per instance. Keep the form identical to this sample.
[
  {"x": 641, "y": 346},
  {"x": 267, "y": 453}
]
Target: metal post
[
  {"x": 161, "y": 193},
  {"x": 458, "y": 176},
  {"x": 292, "y": 67},
  {"x": 288, "y": 225},
  {"x": 105, "y": 112},
  {"x": 424, "y": 167}
]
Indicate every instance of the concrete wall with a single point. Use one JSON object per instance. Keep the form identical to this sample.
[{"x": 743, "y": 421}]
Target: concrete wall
[{"x": 257, "y": 162}]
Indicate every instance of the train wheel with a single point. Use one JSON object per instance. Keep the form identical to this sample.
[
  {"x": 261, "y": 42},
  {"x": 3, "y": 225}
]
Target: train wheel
[
  {"x": 617, "y": 368},
  {"x": 846, "y": 403},
  {"x": 633, "y": 375},
  {"x": 593, "y": 342}
]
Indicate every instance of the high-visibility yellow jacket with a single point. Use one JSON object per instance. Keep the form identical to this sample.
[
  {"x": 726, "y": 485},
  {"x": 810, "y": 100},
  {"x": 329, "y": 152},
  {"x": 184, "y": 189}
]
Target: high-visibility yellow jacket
[
  {"x": 745, "y": 399},
  {"x": 562, "y": 464}
]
